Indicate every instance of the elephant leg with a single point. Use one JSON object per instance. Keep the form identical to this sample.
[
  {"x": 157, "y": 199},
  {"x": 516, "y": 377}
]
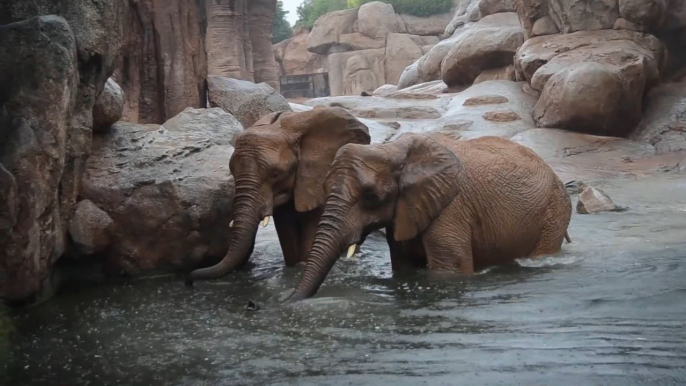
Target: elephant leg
[
  {"x": 449, "y": 248},
  {"x": 308, "y": 222},
  {"x": 288, "y": 230},
  {"x": 552, "y": 233},
  {"x": 405, "y": 255}
]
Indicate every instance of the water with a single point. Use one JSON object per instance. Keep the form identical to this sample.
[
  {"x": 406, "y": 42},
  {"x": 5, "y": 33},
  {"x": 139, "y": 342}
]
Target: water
[{"x": 609, "y": 310}]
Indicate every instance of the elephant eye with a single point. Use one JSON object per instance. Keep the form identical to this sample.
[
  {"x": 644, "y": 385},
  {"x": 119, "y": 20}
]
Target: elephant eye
[{"x": 370, "y": 198}]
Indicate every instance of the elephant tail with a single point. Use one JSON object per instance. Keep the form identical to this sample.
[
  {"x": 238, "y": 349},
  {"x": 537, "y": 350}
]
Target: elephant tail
[{"x": 567, "y": 237}]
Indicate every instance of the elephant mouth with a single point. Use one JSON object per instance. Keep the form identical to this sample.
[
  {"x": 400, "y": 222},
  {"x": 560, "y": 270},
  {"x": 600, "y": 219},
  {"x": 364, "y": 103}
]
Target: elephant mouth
[{"x": 281, "y": 198}]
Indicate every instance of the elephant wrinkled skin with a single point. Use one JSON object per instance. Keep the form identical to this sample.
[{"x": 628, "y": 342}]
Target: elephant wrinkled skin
[
  {"x": 453, "y": 205},
  {"x": 278, "y": 165}
]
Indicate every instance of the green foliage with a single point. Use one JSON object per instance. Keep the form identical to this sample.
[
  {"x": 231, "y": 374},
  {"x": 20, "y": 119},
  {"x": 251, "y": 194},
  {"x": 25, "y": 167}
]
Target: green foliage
[
  {"x": 281, "y": 29},
  {"x": 311, "y": 10}
]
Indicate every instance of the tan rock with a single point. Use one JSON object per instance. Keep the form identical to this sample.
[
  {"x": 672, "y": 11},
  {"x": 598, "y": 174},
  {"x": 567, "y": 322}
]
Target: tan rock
[
  {"x": 544, "y": 26},
  {"x": 664, "y": 119},
  {"x": 489, "y": 7},
  {"x": 385, "y": 90},
  {"x": 356, "y": 41},
  {"x": 501, "y": 116},
  {"x": 246, "y": 101},
  {"x": 295, "y": 59},
  {"x": 644, "y": 12},
  {"x": 109, "y": 106},
  {"x": 90, "y": 228},
  {"x": 359, "y": 76},
  {"x": 485, "y": 100},
  {"x": 577, "y": 15},
  {"x": 338, "y": 62},
  {"x": 401, "y": 51},
  {"x": 328, "y": 28},
  {"x": 261, "y": 14},
  {"x": 502, "y": 73},
  {"x": 473, "y": 12},
  {"x": 409, "y": 77},
  {"x": 593, "y": 200},
  {"x": 627, "y": 25},
  {"x": 424, "y": 26},
  {"x": 376, "y": 19},
  {"x": 482, "y": 48}
]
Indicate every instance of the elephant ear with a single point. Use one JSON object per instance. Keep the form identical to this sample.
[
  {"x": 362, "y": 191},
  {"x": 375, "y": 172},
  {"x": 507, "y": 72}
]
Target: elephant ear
[
  {"x": 428, "y": 182},
  {"x": 321, "y": 132},
  {"x": 270, "y": 118}
]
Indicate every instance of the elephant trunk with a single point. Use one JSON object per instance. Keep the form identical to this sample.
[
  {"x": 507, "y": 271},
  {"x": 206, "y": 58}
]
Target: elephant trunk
[
  {"x": 247, "y": 216},
  {"x": 333, "y": 232}
]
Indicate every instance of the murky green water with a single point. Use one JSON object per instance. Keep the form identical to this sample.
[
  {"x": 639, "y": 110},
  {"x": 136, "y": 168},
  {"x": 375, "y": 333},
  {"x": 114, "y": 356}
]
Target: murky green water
[{"x": 609, "y": 310}]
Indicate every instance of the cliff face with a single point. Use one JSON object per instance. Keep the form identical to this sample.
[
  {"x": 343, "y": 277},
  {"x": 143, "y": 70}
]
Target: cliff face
[{"x": 172, "y": 45}]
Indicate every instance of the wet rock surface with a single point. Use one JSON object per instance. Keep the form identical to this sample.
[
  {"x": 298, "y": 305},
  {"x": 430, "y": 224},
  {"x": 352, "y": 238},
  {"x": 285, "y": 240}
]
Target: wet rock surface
[
  {"x": 167, "y": 188},
  {"x": 593, "y": 200},
  {"x": 90, "y": 228},
  {"x": 247, "y": 101},
  {"x": 109, "y": 106}
]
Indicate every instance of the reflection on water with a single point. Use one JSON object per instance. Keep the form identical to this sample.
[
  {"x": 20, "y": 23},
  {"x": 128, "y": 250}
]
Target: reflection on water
[{"x": 610, "y": 309}]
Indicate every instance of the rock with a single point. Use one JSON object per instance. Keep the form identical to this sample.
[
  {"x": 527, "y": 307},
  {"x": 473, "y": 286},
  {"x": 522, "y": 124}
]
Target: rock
[
  {"x": 385, "y": 90},
  {"x": 356, "y": 41},
  {"x": 501, "y": 116},
  {"x": 593, "y": 200},
  {"x": 401, "y": 51},
  {"x": 164, "y": 66},
  {"x": 328, "y": 28},
  {"x": 627, "y": 25},
  {"x": 664, "y": 118},
  {"x": 425, "y": 26},
  {"x": 575, "y": 187},
  {"x": 409, "y": 77},
  {"x": 473, "y": 12},
  {"x": 482, "y": 48},
  {"x": 376, "y": 19},
  {"x": 247, "y": 101},
  {"x": 359, "y": 76},
  {"x": 294, "y": 58},
  {"x": 171, "y": 181},
  {"x": 38, "y": 64},
  {"x": 498, "y": 108},
  {"x": 90, "y": 228},
  {"x": 502, "y": 73},
  {"x": 485, "y": 100},
  {"x": 572, "y": 70},
  {"x": 544, "y": 26},
  {"x": 432, "y": 88},
  {"x": 489, "y": 7},
  {"x": 643, "y": 12},
  {"x": 583, "y": 15},
  {"x": 384, "y": 108},
  {"x": 340, "y": 76},
  {"x": 109, "y": 106},
  {"x": 530, "y": 11}
]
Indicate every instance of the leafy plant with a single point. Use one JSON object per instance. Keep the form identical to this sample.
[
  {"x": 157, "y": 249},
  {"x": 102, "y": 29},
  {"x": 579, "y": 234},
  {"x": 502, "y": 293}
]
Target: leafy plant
[{"x": 281, "y": 29}]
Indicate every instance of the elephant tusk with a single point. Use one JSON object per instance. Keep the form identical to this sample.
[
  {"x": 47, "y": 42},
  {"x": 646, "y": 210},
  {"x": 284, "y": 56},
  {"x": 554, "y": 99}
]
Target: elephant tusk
[
  {"x": 231, "y": 224},
  {"x": 265, "y": 222},
  {"x": 351, "y": 251}
]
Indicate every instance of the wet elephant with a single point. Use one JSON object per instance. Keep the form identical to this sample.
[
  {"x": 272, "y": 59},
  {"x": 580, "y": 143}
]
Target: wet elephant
[
  {"x": 278, "y": 167},
  {"x": 453, "y": 205}
]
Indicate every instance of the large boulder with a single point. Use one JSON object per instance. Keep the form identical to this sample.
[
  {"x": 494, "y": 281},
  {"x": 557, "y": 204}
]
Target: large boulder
[
  {"x": 489, "y": 7},
  {"x": 38, "y": 63},
  {"x": 247, "y": 101},
  {"x": 424, "y": 26},
  {"x": 644, "y": 12},
  {"x": 343, "y": 71},
  {"x": 664, "y": 118},
  {"x": 376, "y": 19},
  {"x": 90, "y": 228},
  {"x": 294, "y": 58},
  {"x": 591, "y": 81},
  {"x": 109, "y": 106},
  {"x": 401, "y": 52},
  {"x": 478, "y": 49},
  {"x": 583, "y": 15},
  {"x": 167, "y": 188},
  {"x": 410, "y": 76},
  {"x": 359, "y": 76},
  {"x": 327, "y": 29}
]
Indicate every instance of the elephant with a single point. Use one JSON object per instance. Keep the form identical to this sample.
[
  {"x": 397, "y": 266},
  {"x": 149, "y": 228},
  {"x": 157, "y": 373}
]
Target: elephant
[
  {"x": 278, "y": 165},
  {"x": 452, "y": 205}
]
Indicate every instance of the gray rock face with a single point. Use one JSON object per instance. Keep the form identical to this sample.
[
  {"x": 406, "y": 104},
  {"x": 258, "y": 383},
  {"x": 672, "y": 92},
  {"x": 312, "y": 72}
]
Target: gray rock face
[
  {"x": 109, "y": 106},
  {"x": 593, "y": 200},
  {"x": 38, "y": 64},
  {"x": 167, "y": 188},
  {"x": 90, "y": 228},
  {"x": 246, "y": 101}
]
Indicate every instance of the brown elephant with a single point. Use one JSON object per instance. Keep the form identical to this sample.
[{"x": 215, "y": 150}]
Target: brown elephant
[
  {"x": 453, "y": 205},
  {"x": 278, "y": 165}
]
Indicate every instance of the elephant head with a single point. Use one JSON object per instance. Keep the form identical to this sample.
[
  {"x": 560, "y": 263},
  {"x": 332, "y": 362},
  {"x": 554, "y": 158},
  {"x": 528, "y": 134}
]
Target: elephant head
[
  {"x": 283, "y": 158},
  {"x": 402, "y": 185}
]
